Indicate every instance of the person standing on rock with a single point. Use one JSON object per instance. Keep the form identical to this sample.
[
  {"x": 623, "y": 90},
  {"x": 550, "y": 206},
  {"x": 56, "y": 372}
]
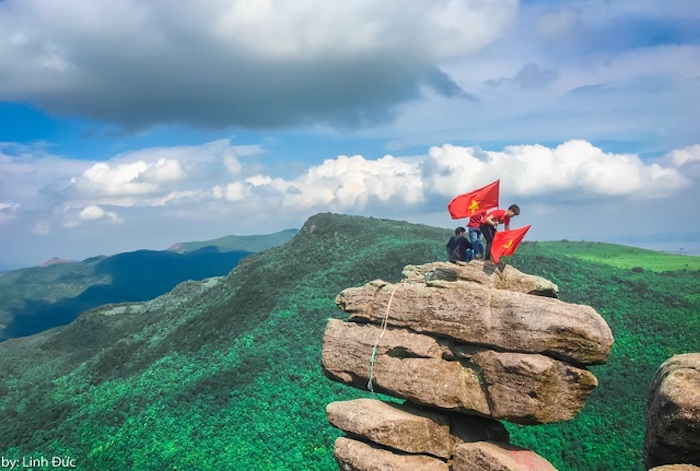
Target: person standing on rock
[
  {"x": 459, "y": 249},
  {"x": 490, "y": 222}
]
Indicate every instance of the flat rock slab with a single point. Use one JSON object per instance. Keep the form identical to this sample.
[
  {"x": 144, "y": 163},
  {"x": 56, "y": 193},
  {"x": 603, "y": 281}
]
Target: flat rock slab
[
  {"x": 355, "y": 455},
  {"x": 673, "y": 415},
  {"x": 486, "y": 456},
  {"x": 495, "y": 318},
  {"x": 487, "y": 274},
  {"x": 410, "y": 428},
  {"x": 520, "y": 388}
]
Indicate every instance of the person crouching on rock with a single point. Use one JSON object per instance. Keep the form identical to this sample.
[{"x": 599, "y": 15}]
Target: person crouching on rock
[{"x": 459, "y": 249}]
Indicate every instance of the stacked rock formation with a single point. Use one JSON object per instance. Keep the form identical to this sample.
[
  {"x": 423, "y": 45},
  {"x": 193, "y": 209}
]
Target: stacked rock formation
[
  {"x": 481, "y": 345},
  {"x": 673, "y": 416}
]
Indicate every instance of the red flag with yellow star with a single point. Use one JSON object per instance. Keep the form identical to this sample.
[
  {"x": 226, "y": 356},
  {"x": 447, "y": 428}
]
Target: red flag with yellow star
[
  {"x": 505, "y": 242},
  {"x": 475, "y": 202}
]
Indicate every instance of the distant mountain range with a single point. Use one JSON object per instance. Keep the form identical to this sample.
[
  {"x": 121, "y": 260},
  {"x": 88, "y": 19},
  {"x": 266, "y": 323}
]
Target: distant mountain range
[
  {"x": 224, "y": 373},
  {"x": 54, "y": 293},
  {"x": 254, "y": 243}
]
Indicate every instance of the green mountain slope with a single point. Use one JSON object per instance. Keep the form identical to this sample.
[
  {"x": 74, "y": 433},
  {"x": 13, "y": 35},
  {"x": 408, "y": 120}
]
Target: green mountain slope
[
  {"x": 653, "y": 315},
  {"x": 225, "y": 373},
  {"x": 38, "y": 298},
  {"x": 50, "y": 283}
]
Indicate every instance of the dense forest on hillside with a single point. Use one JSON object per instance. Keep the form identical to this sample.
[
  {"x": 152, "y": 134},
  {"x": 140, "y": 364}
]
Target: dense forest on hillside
[
  {"x": 39, "y": 298},
  {"x": 653, "y": 315},
  {"x": 55, "y": 295},
  {"x": 225, "y": 373}
]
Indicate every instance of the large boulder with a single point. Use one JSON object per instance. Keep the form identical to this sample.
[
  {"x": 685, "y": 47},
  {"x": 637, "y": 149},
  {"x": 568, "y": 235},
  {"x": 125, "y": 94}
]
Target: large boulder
[
  {"x": 407, "y": 365},
  {"x": 496, "y": 318},
  {"x": 520, "y": 388},
  {"x": 410, "y": 428},
  {"x": 485, "y": 456},
  {"x": 391, "y": 426},
  {"x": 673, "y": 415},
  {"x": 533, "y": 389},
  {"x": 356, "y": 455}
]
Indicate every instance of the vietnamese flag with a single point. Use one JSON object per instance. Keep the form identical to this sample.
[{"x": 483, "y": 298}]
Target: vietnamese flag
[
  {"x": 505, "y": 242},
  {"x": 474, "y": 203}
]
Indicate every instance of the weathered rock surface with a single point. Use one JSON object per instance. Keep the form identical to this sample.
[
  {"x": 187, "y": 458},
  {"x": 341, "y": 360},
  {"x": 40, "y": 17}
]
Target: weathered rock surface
[
  {"x": 533, "y": 389},
  {"x": 520, "y": 388},
  {"x": 410, "y": 428},
  {"x": 673, "y": 416},
  {"x": 485, "y": 456},
  {"x": 407, "y": 365},
  {"x": 355, "y": 455},
  {"x": 676, "y": 467},
  {"x": 496, "y": 318},
  {"x": 489, "y": 275}
]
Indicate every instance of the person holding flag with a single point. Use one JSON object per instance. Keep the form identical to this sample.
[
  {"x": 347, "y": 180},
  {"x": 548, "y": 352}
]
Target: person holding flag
[
  {"x": 474, "y": 205},
  {"x": 492, "y": 220}
]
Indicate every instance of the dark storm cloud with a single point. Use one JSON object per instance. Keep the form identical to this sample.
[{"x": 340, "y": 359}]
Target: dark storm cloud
[{"x": 257, "y": 65}]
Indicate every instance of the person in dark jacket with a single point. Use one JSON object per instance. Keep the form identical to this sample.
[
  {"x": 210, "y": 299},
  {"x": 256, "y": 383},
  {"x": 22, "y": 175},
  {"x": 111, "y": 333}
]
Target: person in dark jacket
[{"x": 459, "y": 249}]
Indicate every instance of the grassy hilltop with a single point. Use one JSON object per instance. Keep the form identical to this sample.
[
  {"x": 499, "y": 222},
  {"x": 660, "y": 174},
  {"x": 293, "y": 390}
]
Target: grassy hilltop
[
  {"x": 619, "y": 256},
  {"x": 225, "y": 373}
]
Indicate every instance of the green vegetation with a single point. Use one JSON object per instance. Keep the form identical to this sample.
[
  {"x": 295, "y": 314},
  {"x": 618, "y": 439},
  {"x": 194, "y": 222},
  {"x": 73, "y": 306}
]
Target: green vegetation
[
  {"x": 620, "y": 256},
  {"x": 50, "y": 283},
  {"x": 653, "y": 315},
  {"x": 39, "y": 298},
  {"x": 133, "y": 276},
  {"x": 225, "y": 373}
]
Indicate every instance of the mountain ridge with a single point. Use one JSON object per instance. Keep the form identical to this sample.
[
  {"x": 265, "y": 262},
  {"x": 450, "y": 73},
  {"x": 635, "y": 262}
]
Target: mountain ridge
[
  {"x": 37, "y": 298},
  {"x": 249, "y": 243},
  {"x": 225, "y": 373}
]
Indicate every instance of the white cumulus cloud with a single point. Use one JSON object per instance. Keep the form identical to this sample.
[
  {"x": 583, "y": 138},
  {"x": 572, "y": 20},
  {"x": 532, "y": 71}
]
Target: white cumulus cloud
[
  {"x": 8, "y": 211},
  {"x": 128, "y": 179},
  {"x": 236, "y": 192},
  {"x": 93, "y": 213},
  {"x": 687, "y": 160},
  {"x": 687, "y": 156},
  {"x": 575, "y": 167},
  {"x": 176, "y": 186},
  {"x": 350, "y": 183}
]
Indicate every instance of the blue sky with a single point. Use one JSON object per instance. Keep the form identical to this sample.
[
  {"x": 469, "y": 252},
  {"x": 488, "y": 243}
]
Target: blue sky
[{"x": 127, "y": 125}]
